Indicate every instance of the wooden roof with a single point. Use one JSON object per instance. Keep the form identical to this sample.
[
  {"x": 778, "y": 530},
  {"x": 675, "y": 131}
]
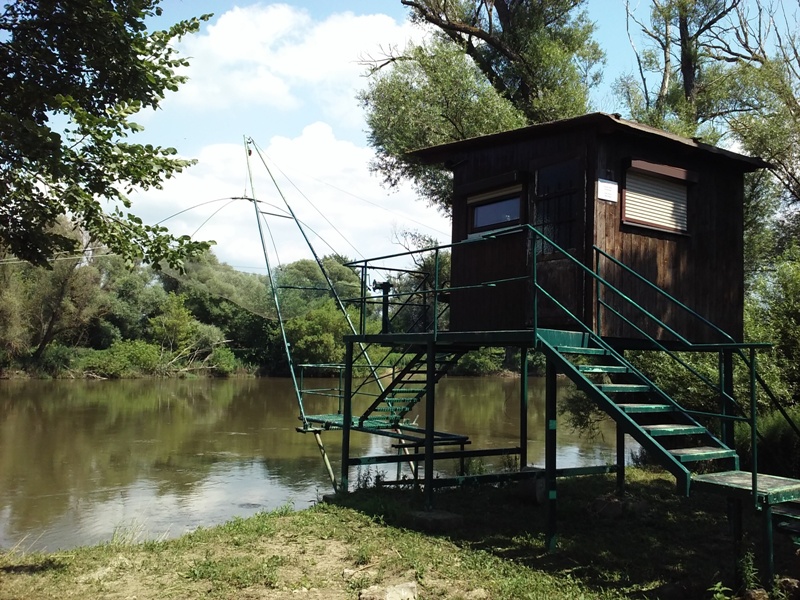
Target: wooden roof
[{"x": 604, "y": 122}]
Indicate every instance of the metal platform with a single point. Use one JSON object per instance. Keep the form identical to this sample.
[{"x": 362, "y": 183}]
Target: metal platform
[{"x": 770, "y": 489}]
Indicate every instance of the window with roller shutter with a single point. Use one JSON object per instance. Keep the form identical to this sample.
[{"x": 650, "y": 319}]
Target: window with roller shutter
[{"x": 656, "y": 196}]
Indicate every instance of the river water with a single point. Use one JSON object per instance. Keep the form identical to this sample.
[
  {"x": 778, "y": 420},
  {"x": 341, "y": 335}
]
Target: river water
[{"x": 81, "y": 461}]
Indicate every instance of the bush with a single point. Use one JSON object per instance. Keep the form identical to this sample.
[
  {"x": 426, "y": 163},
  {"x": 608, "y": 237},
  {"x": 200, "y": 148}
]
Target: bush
[
  {"x": 127, "y": 358},
  {"x": 223, "y": 362},
  {"x": 778, "y": 447},
  {"x": 55, "y": 359},
  {"x": 486, "y": 361}
]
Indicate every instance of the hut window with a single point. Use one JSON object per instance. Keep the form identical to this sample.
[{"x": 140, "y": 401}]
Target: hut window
[
  {"x": 656, "y": 196},
  {"x": 492, "y": 210}
]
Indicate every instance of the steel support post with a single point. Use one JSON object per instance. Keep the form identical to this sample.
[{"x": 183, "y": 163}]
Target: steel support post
[
  {"x": 523, "y": 409},
  {"x": 347, "y": 417},
  {"x": 550, "y": 455},
  {"x": 769, "y": 552},
  {"x": 620, "y": 460},
  {"x": 430, "y": 412},
  {"x": 735, "y": 510},
  {"x": 726, "y": 426}
]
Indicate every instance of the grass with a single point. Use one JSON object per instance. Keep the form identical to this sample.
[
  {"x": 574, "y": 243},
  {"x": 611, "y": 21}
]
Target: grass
[{"x": 668, "y": 547}]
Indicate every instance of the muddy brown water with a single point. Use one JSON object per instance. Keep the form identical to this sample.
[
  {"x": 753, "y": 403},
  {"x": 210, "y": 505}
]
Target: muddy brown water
[{"x": 81, "y": 461}]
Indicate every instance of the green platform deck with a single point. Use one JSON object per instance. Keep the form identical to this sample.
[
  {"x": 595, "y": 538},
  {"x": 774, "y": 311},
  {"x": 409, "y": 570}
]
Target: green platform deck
[{"x": 771, "y": 489}]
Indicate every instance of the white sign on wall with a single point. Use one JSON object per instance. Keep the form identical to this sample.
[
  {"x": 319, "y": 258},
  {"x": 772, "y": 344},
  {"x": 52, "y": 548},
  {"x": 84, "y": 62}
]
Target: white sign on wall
[{"x": 607, "y": 190}]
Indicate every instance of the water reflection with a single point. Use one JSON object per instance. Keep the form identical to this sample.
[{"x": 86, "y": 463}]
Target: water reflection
[{"x": 158, "y": 458}]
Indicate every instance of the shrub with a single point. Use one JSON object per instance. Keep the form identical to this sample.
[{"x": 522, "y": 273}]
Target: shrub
[
  {"x": 126, "y": 358},
  {"x": 223, "y": 362},
  {"x": 778, "y": 447},
  {"x": 55, "y": 359},
  {"x": 485, "y": 361}
]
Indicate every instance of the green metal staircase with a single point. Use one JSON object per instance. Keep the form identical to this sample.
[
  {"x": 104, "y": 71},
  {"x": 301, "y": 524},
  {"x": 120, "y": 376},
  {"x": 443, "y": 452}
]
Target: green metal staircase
[
  {"x": 671, "y": 436},
  {"x": 404, "y": 388},
  {"x": 409, "y": 386}
]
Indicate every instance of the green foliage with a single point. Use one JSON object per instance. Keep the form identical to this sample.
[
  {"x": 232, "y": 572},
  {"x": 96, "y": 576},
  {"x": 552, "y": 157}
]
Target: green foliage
[
  {"x": 773, "y": 315},
  {"x": 223, "y": 362},
  {"x": 316, "y": 337},
  {"x": 539, "y": 56},
  {"x": 54, "y": 360},
  {"x": 302, "y": 285},
  {"x": 490, "y": 68},
  {"x": 434, "y": 95},
  {"x": 128, "y": 358},
  {"x": 486, "y": 361},
  {"x": 174, "y": 328},
  {"x": 92, "y": 65},
  {"x": 778, "y": 445}
]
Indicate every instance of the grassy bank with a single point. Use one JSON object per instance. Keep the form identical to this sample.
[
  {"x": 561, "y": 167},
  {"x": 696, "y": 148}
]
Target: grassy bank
[{"x": 662, "y": 546}]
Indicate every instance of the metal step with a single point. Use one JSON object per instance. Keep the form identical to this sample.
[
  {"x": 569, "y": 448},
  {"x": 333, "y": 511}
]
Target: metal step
[
  {"x": 603, "y": 369},
  {"x": 664, "y": 429},
  {"x": 581, "y": 350},
  {"x": 698, "y": 453},
  {"x": 622, "y": 387},
  {"x": 646, "y": 408}
]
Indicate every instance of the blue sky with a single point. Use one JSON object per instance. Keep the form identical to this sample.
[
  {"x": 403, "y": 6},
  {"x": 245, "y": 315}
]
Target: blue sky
[{"x": 287, "y": 75}]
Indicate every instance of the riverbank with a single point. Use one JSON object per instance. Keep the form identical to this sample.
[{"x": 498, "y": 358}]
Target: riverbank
[{"x": 654, "y": 545}]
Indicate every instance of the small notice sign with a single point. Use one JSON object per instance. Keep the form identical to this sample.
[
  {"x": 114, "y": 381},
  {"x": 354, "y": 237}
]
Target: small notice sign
[{"x": 607, "y": 190}]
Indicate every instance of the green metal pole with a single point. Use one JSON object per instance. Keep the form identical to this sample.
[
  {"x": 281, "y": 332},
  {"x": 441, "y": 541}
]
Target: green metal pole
[
  {"x": 769, "y": 555},
  {"x": 620, "y": 448},
  {"x": 550, "y": 455},
  {"x": 754, "y": 425},
  {"x": 436, "y": 294},
  {"x": 535, "y": 288},
  {"x": 523, "y": 409},
  {"x": 620, "y": 460},
  {"x": 362, "y": 324},
  {"x": 347, "y": 417},
  {"x": 430, "y": 388},
  {"x": 598, "y": 295},
  {"x": 726, "y": 375}
]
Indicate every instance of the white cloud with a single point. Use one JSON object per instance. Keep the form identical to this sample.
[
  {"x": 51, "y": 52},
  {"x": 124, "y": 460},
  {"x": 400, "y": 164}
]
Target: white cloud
[
  {"x": 340, "y": 202},
  {"x": 277, "y": 56}
]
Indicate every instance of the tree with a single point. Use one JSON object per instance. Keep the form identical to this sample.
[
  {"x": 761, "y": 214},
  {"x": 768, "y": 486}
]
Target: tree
[
  {"x": 692, "y": 86},
  {"x": 490, "y": 67},
  {"x": 537, "y": 55},
  {"x": 434, "y": 95},
  {"x": 766, "y": 54},
  {"x": 316, "y": 336},
  {"x": 706, "y": 71},
  {"x": 175, "y": 327},
  {"x": 724, "y": 67},
  {"x": 72, "y": 74},
  {"x": 303, "y": 286}
]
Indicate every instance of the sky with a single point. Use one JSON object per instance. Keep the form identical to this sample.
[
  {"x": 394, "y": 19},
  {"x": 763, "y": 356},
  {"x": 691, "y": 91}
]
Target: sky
[{"x": 287, "y": 75}]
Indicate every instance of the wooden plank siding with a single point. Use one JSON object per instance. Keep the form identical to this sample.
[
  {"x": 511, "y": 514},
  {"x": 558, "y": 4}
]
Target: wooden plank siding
[
  {"x": 509, "y": 306},
  {"x": 703, "y": 268}
]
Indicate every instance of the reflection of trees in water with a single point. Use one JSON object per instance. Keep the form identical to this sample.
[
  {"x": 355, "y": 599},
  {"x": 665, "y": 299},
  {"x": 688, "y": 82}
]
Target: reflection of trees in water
[
  {"x": 62, "y": 443},
  {"x": 66, "y": 444},
  {"x": 487, "y": 409}
]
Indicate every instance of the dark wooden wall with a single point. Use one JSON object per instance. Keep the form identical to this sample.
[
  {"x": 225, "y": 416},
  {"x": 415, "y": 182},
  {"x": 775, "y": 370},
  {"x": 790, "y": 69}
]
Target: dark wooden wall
[
  {"x": 509, "y": 306},
  {"x": 703, "y": 268}
]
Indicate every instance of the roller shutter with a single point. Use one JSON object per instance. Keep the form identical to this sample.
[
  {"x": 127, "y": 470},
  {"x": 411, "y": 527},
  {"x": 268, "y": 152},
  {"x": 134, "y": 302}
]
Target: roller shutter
[{"x": 655, "y": 202}]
